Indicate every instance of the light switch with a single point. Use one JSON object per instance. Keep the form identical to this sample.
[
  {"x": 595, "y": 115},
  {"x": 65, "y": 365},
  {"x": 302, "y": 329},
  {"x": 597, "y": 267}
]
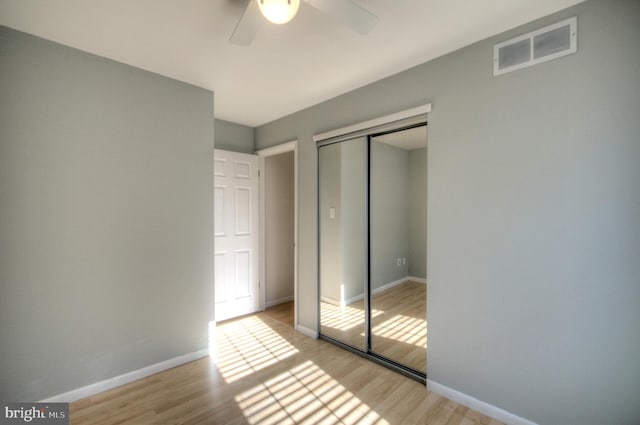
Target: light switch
[{"x": 332, "y": 212}]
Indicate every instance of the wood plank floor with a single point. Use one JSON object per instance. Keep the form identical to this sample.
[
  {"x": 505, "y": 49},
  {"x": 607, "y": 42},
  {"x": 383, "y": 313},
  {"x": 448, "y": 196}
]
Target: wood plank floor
[
  {"x": 281, "y": 312},
  {"x": 264, "y": 372}
]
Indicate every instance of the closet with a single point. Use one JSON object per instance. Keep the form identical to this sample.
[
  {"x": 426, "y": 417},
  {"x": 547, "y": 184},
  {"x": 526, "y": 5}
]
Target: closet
[{"x": 372, "y": 225}]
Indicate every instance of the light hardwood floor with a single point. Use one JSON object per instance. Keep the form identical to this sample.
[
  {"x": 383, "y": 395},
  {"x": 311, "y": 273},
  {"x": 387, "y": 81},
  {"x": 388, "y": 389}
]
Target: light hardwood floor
[
  {"x": 266, "y": 373},
  {"x": 281, "y": 312},
  {"x": 398, "y": 324}
]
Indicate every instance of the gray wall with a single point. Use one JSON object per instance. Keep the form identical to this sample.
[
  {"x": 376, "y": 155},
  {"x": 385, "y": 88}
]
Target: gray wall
[
  {"x": 330, "y": 228},
  {"x": 343, "y": 187},
  {"x": 418, "y": 213},
  {"x": 352, "y": 219},
  {"x": 389, "y": 212},
  {"x": 533, "y": 217},
  {"x": 234, "y": 137},
  {"x": 279, "y": 186},
  {"x": 106, "y": 240}
]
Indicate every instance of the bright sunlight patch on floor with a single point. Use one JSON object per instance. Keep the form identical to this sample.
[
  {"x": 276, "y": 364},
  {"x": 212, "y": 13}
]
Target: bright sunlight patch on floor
[
  {"x": 304, "y": 394},
  {"x": 248, "y": 345},
  {"x": 343, "y": 318},
  {"x": 410, "y": 330}
]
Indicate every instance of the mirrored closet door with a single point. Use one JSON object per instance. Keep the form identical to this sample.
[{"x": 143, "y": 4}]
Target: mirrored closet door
[
  {"x": 398, "y": 256},
  {"x": 343, "y": 228},
  {"x": 372, "y": 245}
]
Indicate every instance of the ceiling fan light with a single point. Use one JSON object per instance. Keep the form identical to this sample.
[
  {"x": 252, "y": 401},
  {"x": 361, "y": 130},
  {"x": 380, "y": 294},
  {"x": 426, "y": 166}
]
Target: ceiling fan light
[{"x": 279, "y": 11}]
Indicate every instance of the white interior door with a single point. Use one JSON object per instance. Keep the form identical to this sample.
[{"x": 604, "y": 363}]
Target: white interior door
[{"x": 236, "y": 234}]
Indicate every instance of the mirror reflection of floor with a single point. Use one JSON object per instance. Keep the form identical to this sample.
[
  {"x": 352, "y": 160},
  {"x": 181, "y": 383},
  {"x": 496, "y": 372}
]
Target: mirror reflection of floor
[{"x": 398, "y": 323}]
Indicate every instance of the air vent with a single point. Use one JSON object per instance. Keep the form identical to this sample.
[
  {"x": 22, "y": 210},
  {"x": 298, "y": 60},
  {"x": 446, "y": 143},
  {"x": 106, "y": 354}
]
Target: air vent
[{"x": 539, "y": 46}]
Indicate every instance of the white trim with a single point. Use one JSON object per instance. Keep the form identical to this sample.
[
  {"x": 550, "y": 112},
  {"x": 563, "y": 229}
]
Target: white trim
[
  {"x": 278, "y": 301},
  {"x": 262, "y": 256},
  {"x": 398, "y": 282},
  {"x": 389, "y": 285},
  {"x": 262, "y": 154},
  {"x": 278, "y": 149},
  {"x": 107, "y": 384},
  {"x": 330, "y": 301},
  {"x": 379, "y": 289},
  {"x": 407, "y": 113},
  {"x": 295, "y": 232},
  {"x": 338, "y": 303},
  {"x": 306, "y": 331},
  {"x": 417, "y": 279},
  {"x": 352, "y": 300},
  {"x": 477, "y": 405}
]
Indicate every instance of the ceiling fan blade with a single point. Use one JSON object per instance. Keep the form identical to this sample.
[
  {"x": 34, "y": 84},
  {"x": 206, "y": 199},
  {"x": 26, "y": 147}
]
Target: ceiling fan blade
[
  {"x": 246, "y": 28},
  {"x": 351, "y": 14}
]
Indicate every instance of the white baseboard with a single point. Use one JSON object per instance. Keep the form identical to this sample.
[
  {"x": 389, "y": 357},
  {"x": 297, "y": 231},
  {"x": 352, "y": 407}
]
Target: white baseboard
[
  {"x": 382, "y": 288},
  {"x": 389, "y": 285},
  {"x": 417, "y": 279},
  {"x": 477, "y": 405},
  {"x": 346, "y": 302},
  {"x": 398, "y": 282},
  {"x": 330, "y": 301},
  {"x": 278, "y": 301},
  {"x": 306, "y": 331},
  {"x": 352, "y": 300},
  {"x": 125, "y": 378}
]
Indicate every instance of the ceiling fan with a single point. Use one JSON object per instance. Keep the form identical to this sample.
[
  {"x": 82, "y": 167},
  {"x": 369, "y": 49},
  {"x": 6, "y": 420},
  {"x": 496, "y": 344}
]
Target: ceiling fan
[{"x": 282, "y": 11}]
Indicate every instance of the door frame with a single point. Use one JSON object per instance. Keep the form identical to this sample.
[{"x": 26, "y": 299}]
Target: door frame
[{"x": 262, "y": 155}]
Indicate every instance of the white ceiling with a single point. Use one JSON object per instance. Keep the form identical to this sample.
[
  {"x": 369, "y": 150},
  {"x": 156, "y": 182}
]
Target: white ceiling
[{"x": 288, "y": 67}]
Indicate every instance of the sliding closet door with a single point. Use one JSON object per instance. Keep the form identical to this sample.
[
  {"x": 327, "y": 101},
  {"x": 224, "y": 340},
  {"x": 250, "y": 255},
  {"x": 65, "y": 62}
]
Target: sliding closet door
[
  {"x": 342, "y": 174},
  {"x": 397, "y": 209},
  {"x": 372, "y": 218}
]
